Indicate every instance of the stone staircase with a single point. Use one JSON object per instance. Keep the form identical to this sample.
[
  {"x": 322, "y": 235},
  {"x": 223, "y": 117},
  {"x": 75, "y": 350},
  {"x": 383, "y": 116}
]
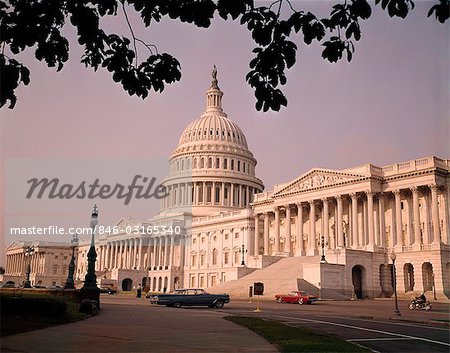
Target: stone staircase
[{"x": 280, "y": 277}]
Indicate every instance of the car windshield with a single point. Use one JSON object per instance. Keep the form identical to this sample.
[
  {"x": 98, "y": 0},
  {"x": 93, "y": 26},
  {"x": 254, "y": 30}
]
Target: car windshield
[{"x": 292, "y": 294}]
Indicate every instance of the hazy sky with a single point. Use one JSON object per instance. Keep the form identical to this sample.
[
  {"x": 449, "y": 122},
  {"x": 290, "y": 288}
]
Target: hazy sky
[{"x": 390, "y": 104}]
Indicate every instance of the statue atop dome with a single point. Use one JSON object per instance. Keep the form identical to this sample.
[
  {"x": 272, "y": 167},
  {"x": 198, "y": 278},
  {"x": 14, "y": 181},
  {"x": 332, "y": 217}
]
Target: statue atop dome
[{"x": 214, "y": 83}]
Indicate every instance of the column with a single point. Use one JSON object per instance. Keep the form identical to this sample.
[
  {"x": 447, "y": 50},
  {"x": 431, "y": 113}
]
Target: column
[
  {"x": 369, "y": 195},
  {"x": 241, "y": 196},
  {"x": 340, "y": 234},
  {"x": 148, "y": 264},
  {"x": 355, "y": 239},
  {"x": 119, "y": 255},
  {"x": 435, "y": 214},
  {"x": 140, "y": 264},
  {"x": 266, "y": 233},
  {"x": 382, "y": 220},
  {"x": 416, "y": 215},
  {"x": 312, "y": 228},
  {"x": 171, "y": 258},
  {"x": 299, "y": 242},
  {"x": 446, "y": 235},
  {"x": 160, "y": 258},
  {"x": 166, "y": 251},
  {"x": 287, "y": 241},
  {"x": 277, "y": 229},
  {"x": 222, "y": 195},
  {"x": 154, "y": 263},
  {"x": 231, "y": 198},
  {"x": 398, "y": 221},
  {"x": 256, "y": 247},
  {"x": 326, "y": 222}
]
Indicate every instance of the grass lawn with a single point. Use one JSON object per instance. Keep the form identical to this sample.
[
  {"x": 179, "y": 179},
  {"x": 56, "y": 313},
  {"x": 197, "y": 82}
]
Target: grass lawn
[
  {"x": 16, "y": 321},
  {"x": 295, "y": 339}
]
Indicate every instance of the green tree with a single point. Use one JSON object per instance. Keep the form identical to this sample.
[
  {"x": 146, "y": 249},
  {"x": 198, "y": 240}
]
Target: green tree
[{"x": 37, "y": 24}]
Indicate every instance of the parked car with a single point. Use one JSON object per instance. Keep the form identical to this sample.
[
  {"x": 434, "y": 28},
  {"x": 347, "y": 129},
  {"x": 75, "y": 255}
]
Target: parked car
[
  {"x": 296, "y": 296},
  {"x": 191, "y": 297},
  {"x": 8, "y": 285},
  {"x": 109, "y": 290}
]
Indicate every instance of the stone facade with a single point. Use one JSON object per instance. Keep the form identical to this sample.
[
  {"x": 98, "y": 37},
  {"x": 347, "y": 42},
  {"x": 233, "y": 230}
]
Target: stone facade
[
  {"x": 49, "y": 263},
  {"x": 217, "y": 228}
]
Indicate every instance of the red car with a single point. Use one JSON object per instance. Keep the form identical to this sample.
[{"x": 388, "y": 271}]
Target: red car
[{"x": 296, "y": 296}]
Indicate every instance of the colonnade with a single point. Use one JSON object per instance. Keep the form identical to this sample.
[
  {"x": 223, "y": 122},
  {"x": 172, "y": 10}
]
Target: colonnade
[
  {"x": 360, "y": 220},
  {"x": 209, "y": 193},
  {"x": 130, "y": 253},
  {"x": 17, "y": 263}
]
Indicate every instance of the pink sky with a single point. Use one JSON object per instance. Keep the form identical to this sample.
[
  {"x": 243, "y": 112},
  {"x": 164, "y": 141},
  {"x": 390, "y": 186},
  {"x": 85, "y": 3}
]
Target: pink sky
[{"x": 391, "y": 104}]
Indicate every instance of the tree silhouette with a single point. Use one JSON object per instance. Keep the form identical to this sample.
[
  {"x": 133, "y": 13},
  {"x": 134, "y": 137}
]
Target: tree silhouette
[{"x": 37, "y": 24}]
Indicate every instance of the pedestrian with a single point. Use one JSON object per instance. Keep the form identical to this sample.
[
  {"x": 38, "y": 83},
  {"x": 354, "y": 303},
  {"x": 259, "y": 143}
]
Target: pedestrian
[{"x": 139, "y": 291}]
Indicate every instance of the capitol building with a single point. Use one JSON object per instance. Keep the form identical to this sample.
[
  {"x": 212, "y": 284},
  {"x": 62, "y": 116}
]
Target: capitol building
[{"x": 330, "y": 232}]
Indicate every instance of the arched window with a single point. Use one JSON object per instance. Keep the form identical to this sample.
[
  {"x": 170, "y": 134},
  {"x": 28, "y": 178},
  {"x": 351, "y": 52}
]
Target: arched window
[
  {"x": 226, "y": 257},
  {"x": 195, "y": 163},
  {"x": 239, "y": 166},
  {"x": 194, "y": 259},
  {"x": 232, "y": 164},
  {"x": 217, "y": 199},
  {"x": 200, "y": 193},
  {"x": 214, "y": 256},
  {"x": 217, "y": 163},
  {"x": 208, "y": 194},
  {"x": 225, "y": 163},
  {"x": 202, "y": 163},
  {"x": 209, "y": 162},
  {"x": 243, "y": 167}
]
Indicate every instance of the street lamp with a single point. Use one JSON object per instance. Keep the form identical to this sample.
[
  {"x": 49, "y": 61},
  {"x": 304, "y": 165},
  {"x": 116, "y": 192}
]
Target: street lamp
[
  {"x": 70, "y": 283},
  {"x": 90, "y": 280},
  {"x": 394, "y": 274},
  {"x": 28, "y": 253},
  {"x": 243, "y": 251},
  {"x": 322, "y": 243}
]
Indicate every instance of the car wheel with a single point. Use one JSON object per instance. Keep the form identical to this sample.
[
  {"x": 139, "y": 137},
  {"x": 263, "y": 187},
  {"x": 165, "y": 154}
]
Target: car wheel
[
  {"x": 300, "y": 301},
  {"x": 411, "y": 306},
  {"x": 177, "y": 305},
  {"x": 279, "y": 300},
  {"x": 219, "y": 304}
]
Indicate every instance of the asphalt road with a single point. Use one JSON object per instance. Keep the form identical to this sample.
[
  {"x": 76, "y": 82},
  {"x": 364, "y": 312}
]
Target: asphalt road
[
  {"x": 368, "y": 323},
  {"x": 128, "y": 324}
]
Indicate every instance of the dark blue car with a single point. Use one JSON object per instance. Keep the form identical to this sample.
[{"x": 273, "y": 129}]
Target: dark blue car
[{"x": 191, "y": 297}]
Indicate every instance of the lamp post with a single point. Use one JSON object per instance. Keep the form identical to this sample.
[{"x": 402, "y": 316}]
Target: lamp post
[
  {"x": 90, "y": 280},
  {"x": 28, "y": 253},
  {"x": 243, "y": 251},
  {"x": 434, "y": 288},
  {"x": 70, "y": 283},
  {"x": 394, "y": 274},
  {"x": 322, "y": 243}
]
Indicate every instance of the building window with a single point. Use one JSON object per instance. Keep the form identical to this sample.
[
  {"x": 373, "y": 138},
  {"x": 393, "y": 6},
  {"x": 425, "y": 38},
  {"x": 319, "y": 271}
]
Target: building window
[
  {"x": 232, "y": 164},
  {"x": 202, "y": 163},
  {"x": 217, "y": 194},
  {"x": 226, "y": 257},
  {"x": 192, "y": 281},
  {"x": 208, "y": 194},
  {"x": 236, "y": 235},
  {"x": 217, "y": 163},
  {"x": 239, "y": 166},
  {"x": 225, "y": 163},
  {"x": 202, "y": 260},
  {"x": 56, "y": 257},
  {"x": 210, "y": 162},
  {"x": 194, "y": 260},
  {"x": 243, "y": 167},
  {"x": 226, "y": 236},
  {"x": 236, "y": 256},
  {"x": 202, "y": 281},
  {"x": 214, "y": 256},
  {"x": 55, "y": 269}
]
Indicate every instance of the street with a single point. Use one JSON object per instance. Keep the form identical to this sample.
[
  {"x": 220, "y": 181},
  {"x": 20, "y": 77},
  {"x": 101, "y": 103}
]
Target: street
[{"x": 129, "y": 324}]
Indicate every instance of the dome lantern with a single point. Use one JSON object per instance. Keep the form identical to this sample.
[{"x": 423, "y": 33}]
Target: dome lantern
[{"x": 214, "y": 94}]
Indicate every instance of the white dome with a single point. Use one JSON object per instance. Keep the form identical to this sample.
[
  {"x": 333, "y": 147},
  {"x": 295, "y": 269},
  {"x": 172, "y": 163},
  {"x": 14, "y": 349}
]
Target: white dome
[
  {"x": 212, "y": 127},
  {"x": 211, "y": 170}
]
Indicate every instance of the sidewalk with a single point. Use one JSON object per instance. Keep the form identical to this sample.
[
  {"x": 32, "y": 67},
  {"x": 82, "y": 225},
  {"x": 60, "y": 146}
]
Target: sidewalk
[{"x": 134, "y": 326}]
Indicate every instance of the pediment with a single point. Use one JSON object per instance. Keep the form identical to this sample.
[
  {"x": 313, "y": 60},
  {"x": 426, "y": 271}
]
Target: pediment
[
  {"x": 13, "y": 245},
  {"x": 123, "y": 223},
  {"x": 317, "y": 179}
]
